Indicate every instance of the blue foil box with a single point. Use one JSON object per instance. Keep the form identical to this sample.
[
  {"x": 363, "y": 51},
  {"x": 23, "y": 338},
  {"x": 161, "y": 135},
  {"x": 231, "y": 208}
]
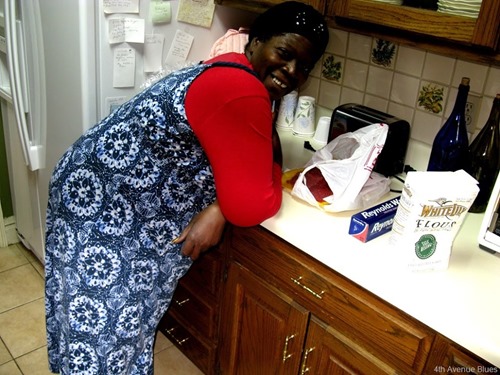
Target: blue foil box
[{"x": 374, "y": 221}]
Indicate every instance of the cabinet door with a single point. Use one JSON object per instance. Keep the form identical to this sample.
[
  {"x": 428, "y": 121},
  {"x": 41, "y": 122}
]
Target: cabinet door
[
  {"x": 329, "y": 352},
  {"x": 261, "y": 5},
  {"x": 263, "y": 331},
  {"x": 483, "y": 31},
  {"x": 377, "y": 326},
  {"x": 448, "y": 358}
]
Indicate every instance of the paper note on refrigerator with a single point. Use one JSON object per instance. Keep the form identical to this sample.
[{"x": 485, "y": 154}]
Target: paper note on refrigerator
[
  {"x": 123, "y": 67},
  {"x": 153, "y": 51},
  {"x": 120, "y": 6},
  {"x": 112, "y": 103},
  {"x": 180, "y": 47},
  {"x": 129, "y": 30},
  {"x": 160, "y": 11},
  {"x": 196, "y": 12}
]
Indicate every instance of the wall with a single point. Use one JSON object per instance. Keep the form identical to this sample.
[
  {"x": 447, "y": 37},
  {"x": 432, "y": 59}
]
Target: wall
[{"x": 400, "y": 80}]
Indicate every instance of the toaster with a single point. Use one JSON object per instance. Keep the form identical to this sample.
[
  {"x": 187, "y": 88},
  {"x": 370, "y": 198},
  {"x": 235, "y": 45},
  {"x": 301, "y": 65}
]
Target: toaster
[{"x": 350, "y": 117}]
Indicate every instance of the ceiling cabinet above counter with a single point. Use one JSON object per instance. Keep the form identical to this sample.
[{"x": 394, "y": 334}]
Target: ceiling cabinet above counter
[
  {"x": 482, "y": 31},
  {"x": 261, "y": 5},
  {"x": 474, "y": 39}
]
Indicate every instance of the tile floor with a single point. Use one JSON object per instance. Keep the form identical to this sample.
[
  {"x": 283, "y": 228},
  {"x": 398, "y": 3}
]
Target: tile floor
[{"x": 23, "y": 349}]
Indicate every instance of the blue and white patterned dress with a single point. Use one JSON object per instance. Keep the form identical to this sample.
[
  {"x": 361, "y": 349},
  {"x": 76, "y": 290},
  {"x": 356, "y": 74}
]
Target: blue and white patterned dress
[{"x": 117, "y": 198}]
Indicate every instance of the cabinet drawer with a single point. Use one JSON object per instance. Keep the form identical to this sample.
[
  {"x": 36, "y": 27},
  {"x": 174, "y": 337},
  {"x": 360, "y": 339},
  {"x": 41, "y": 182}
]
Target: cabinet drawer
[
  {"x": 200, "y": 353},
  {"x": 193, "y": 312},
  {"x": 385, "y": 331},
  {"x": 205, "y": 273}
]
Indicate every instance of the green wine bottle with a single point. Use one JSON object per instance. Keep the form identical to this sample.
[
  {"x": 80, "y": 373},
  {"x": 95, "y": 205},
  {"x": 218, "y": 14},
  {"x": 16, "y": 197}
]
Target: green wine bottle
[{"x": 485, "y": 157}]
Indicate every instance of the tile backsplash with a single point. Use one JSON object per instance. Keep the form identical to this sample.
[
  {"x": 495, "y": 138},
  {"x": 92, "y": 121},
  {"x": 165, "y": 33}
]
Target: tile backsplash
[{"x": 413, "y": 84}]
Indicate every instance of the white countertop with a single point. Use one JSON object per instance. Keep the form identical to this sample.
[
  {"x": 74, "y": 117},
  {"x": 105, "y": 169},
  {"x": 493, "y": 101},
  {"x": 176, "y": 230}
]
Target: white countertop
[{"x": 462, "y": 303}]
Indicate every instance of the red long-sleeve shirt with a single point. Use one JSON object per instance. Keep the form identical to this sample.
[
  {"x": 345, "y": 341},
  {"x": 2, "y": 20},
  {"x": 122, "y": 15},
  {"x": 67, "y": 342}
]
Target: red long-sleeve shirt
[{"x": 229, "y": 110}]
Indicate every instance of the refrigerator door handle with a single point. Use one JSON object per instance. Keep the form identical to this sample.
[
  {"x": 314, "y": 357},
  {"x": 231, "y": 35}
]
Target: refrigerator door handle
[{"x": 34, "y": 154}]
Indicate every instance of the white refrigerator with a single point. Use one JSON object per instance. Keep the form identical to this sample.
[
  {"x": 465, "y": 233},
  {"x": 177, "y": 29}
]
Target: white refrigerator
[{"x": 56, "y": 76}]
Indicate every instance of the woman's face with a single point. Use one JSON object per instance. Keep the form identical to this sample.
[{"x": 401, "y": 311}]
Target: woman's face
[{"x": 282, "y": 63}]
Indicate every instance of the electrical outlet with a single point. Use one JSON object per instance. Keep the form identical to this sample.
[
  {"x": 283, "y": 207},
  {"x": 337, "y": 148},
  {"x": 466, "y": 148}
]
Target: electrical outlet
[{"x": 471, "y": 111}]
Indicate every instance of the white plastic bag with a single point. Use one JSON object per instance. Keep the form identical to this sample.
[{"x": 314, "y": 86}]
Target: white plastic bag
[{"x": 346, "y": 164}]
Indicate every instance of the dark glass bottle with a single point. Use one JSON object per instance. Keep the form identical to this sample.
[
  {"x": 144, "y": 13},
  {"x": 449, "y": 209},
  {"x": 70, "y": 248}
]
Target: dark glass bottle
[
  {"x": 485, "y": 157},
  {"x": 450, "y": 149}
]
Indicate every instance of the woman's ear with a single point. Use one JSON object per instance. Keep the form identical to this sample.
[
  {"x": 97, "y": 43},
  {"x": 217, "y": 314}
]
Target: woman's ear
[{"x": 252, "y": 45}]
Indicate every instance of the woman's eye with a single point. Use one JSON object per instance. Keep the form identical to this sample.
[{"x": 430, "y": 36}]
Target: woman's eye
[
  {"x": 306, "y": 69},
  {"x": 284, "y": 53}
]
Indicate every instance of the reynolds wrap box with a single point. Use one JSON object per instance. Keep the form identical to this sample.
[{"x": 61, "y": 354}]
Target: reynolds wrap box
[{"x": 374, "y": 221}]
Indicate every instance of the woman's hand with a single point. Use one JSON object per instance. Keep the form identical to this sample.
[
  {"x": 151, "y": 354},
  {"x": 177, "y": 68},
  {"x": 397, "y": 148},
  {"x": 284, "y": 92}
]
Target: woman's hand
[{"x": 203, "y": 232}]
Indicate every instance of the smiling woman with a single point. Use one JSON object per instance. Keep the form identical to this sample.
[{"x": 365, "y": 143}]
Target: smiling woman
[{"x": 192, "y": 151}]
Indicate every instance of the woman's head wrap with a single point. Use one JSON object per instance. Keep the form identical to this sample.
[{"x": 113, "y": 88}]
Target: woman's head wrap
[{"x": 292, "y": 17}]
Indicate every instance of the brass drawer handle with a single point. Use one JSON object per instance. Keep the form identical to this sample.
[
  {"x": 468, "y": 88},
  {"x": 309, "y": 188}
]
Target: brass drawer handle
[
  {"x": 170, "y": 332},
  {"x": 304, "y": 368},
  {"x": 180, "y": 303},
  {"x": 285, "y": 349},
  {"x": 315, "y": 294}
]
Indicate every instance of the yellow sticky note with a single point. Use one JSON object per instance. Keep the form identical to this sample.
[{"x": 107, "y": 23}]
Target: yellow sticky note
[{"x": 160, "y": 11}]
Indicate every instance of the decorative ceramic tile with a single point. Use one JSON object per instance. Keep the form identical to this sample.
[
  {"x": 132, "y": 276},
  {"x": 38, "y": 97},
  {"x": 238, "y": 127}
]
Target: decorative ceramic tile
[
  {"x": 10, "y": 368},
  {"x": 4, "y": 354},
  {"x": 329, "y": 94},
  {"x": 379, "y": 81},
  {"x": 355, "y": 74},
  {"x": 35, "y": 362},
  {"x": 20, "y": 285},
  {"x": 383, "y": 53},
  {"x": 404, "y": 89},
  {"x": 401, "y": 111},
  {"x": 172, "y": 361},
  {"x": 332, "y": 68},
  {"x": 11, "y": 257},
  {"x": 476, "y": 72},
  {"x": 425, "y": 127},
  {"x": 310, "y": 88},
  {"x": 450, "y": 101},
  {"x": 438, "y": 68},
  {"x": 161, "y": 342},
  {"x": 359, "y": 47},
  {"x": 410, "y": 61},
  {"x": 337, "y": 44},
  {"x": 351, "y": 96},
  {"x": 431, "y": 97},
  {"x": 316, "y": 72},
  {"x": 23, "y": 329},
  {"x": 417, "y": 86},
  {"x": 376, "y": 102}
]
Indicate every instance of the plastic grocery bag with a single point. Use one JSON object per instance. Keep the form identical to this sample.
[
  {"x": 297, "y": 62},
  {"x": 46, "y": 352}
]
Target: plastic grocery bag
[{"x": 346, "y": 164}]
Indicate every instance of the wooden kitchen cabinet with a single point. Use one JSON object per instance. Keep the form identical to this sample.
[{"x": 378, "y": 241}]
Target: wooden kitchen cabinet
[
  {"x": 258, "y": 305},
  {"x": 483, "y": 31},
  {"x": 259, "y": 6},
  {"x": 449, "y": 358},
  {"x": 466, "y": 38},
  {"x": 263, "y": 330},
  {"x": 192, "y": 320},
  {"x": 348, "y": 329}
]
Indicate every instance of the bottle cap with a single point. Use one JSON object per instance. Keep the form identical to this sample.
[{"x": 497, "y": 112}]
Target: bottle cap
[{"x": 465, "y": 81}]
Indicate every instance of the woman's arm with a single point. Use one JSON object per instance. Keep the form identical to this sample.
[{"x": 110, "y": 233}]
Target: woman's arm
[
  {"x": 203, "y": 232},
  {"x": 230, "y": 112}
]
